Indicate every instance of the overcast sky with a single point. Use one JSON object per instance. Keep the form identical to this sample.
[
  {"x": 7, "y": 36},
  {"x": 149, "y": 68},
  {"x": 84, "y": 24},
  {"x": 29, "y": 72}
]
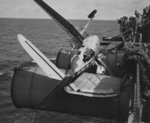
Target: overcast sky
[{"x": 72, "y": 9}]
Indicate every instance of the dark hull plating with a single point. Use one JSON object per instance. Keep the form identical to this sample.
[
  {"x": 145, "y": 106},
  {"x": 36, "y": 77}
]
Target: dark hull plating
[{"x": 30, "y": 89}]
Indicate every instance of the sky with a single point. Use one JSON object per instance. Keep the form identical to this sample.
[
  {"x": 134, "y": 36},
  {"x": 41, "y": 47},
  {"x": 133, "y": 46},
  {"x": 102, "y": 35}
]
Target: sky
[{"x": 72, "y": 9}]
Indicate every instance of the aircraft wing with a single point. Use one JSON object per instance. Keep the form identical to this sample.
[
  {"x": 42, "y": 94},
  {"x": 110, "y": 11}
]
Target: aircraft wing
[
  {"x": 94, "y": 85},
  {"x": 68, "y": 27},
  {"x": 46, "y": 65}
]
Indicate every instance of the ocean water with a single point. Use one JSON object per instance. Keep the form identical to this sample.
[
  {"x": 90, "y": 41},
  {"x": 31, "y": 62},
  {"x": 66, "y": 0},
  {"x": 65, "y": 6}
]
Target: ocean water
[{"x": 49, "y": 38}]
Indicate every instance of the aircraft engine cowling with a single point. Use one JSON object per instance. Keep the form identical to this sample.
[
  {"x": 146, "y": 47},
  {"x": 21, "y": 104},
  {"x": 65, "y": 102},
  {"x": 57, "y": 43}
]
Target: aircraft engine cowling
[
  {"x": 88, "y": 51},
  {"x": 92, "y": 42}
]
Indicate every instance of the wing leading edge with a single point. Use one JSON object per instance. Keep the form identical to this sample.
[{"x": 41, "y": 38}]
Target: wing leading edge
[{"x": 68, "y": 27}]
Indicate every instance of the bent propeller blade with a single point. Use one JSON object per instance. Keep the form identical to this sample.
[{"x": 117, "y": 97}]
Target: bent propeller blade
[
  {"x": 47, "y": 66},
  {"x": 91, "y": 15},
  {"x": 68, "y": 27}
]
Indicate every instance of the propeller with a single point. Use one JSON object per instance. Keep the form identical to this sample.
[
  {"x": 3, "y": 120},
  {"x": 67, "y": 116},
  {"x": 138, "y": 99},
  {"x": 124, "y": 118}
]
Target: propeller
[
  {"x": 82, "y": 30},
  {"x": 90, "y": 16},
  {"x": 92, "y": 42}
]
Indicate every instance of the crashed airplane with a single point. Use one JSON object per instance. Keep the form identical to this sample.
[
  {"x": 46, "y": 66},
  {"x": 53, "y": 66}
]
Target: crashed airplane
[{"x": 91, "y": 78}]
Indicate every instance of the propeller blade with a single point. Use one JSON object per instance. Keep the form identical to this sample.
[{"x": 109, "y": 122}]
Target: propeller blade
[
  {"x": 91, "y": 15},
  {"x": 68, "y": 27}
]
